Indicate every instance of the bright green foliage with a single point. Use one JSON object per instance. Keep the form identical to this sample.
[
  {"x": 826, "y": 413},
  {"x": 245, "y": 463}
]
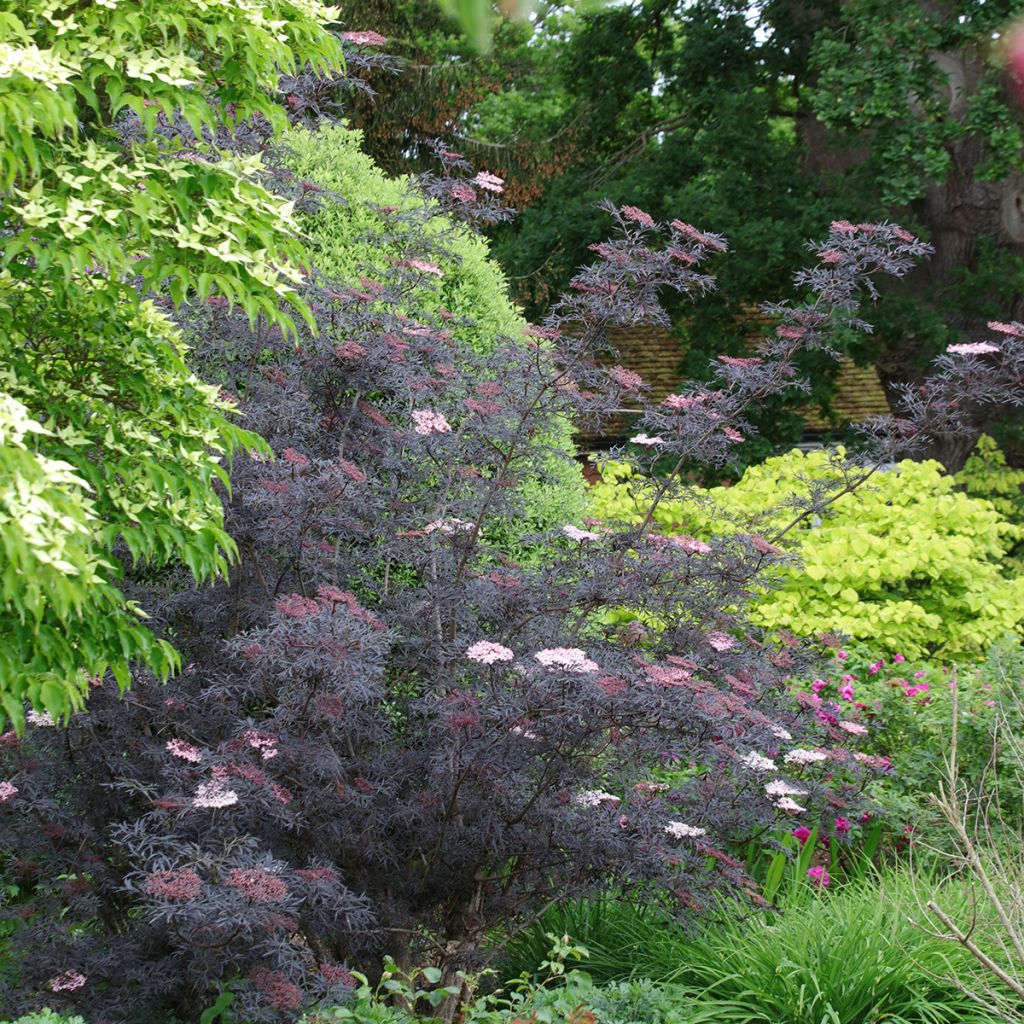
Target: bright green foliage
[
  {"x": 350, "y": 238},
  {"x": 105, "y": 435},
  {"x": 908, "y": 562},
  {"x": 850, "y": 956},
  {"x": 47, "y": 1017},
  {"x": 987, "y": 476}
]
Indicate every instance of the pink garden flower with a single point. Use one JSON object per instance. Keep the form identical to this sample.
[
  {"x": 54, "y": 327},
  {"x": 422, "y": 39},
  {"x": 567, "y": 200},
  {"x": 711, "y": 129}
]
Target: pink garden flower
[
  {"x": 846, "y": 692},
  {"x": 819, "y": 876},
  {"x": 721, "y": 641},
  {"x": 487, "y": 653},
  {"x": 257, "y": 885},
  {"x": 67, "y": 982},
  {"x": 179, "y": 748},
  {"x": 364, "y": 38},
  {"x": 7, "y": 791},
  {"x": 571, "y": 659},
  {"x": 802, "y": 834},
  {"x": 430, "y": 422},
  {"x": 842, "y": 824},
  {"x": 637, "y": 215},
  {"x": 597, "y": 798},
  {"x": 680, "y": 830},
  {"x": 575, "y": 533},
  {"x": 461, "y": 191},
  {"x": 854, "y": 728},
  {"x": 426, "y": 267},
  {"x": 177, "y": 886},
  {"x": 626, "y": 378},
  {"x": 213, "y": 794},
  {"x": 973, "y": 348},
  {"x": 818, "y": 685},
  {"x": 490, "y": 182}
]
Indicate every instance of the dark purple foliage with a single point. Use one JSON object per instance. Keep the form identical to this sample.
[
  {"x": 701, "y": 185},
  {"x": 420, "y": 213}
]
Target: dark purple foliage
[{"x": 392, "y": 738}]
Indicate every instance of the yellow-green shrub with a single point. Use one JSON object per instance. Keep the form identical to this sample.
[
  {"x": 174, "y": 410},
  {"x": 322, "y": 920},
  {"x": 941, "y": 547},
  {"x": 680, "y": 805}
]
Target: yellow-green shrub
[{"x": 908, "y": 562}]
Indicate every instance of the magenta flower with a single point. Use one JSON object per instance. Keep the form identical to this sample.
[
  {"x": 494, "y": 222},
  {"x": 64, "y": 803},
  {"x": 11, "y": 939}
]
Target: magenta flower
[
  {"x": 803, "y": 833},
  {"x": 842, "y": 824},
  {"x": 842, "y": 655},
  {"x": 898, "y": 658},
  {"x": 819, "y": 876},
  {"x": 846, "y": 692},
  {"x": 818, "y": 685}
]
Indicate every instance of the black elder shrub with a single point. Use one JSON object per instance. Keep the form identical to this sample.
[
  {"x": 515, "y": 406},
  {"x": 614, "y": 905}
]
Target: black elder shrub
[{"x": 390, "y": 738}]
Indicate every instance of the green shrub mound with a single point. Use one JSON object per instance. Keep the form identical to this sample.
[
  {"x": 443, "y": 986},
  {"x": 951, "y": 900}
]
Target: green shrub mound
[
  {"x": 909, "y": 563},
  {"x": 352, "y": 238}
]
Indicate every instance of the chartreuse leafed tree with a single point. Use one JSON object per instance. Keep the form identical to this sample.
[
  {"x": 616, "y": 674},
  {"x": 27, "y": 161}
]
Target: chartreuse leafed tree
[{"x": 110, "y": 448}]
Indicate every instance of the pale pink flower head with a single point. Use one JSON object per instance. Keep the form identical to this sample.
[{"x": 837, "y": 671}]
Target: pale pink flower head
[
  {"x": 626, "y": 378},
  {"x": 680, "y": 830},
  {"x": 187, "y": 752},
  {"x": 789, "y": 805},
  {"x": 570, "y": 659},
  {"x": 426, "y": 267},
  {"x": 597, "y": 798},
  {"x": 721, "y": 641},
  {"x": 366, "y": 38},
  {"x": 691, "y": 545},
  {"x": 800, "y": 756},
  {"x": 178, "y": 886},
  {"x": 487, "y": 653},
  {"x": 41, "y": 718},
  {"x": 7, "y": 791},
  {"x": 647, "y": 441},
  {"x": 637, "y": 215},
  {"x": 461, "y": 191},
  {"x": 213, "y": 794},
  {"x": 489, "y": 182},
  {"x": 757, "y": 762},
  {"x": 430, "y": 422},
  {"x": 819, "y": 876},
  {"x": 973, "y": 348},
  {"x": 67, "y": 982},
  {"x": 257, "y": 885},
  {"x": 854, "y": 728},
  {"x": 779, "y": 788},
  {"x": 575, "y": 533},
  {"x": 1014, "y": 329},
  {"x": 733, "y": 435}
]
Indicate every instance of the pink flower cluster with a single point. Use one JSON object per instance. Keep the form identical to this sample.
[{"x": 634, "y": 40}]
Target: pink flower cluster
[
  {"x": 429, "y": 422},
  {"x": 637, "y": 215},
  {"x": 487, "y": 653},
  {"x": 571, "y": 659},
  {"x": 575, "y": 533},
  {"x": 973, "y": 348},
  {"x": 213, "y": 795},
  {"x": 489, "y": 182},
  {"x": 67, "y": 982},
  {"x": 7, "y": 791},
  {"x": 819, "y": 876},
  {"x": 179, "y": 886},
  {"x": 257, "y": 885},
  {"x": 187, "y": 752},
  {"x": 366, "y": 38},
  {"x": 626, "y": 378}
]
